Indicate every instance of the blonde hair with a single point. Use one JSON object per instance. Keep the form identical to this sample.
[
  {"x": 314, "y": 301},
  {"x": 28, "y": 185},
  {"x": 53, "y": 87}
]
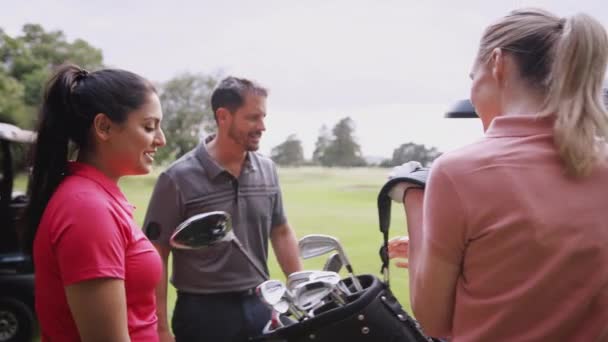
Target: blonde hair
[{"x": 566, "y": 59}]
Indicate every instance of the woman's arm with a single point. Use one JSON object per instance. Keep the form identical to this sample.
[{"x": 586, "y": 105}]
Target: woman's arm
[
  {"x": 99, "y": 308},
  {"x": 438, "y": 230},
  {"x": 432, "y": 280}
]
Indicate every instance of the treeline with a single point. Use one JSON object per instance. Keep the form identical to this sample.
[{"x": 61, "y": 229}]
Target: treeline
[
  {"x": 339, "y": 148},
  {"x": 29, "y": 58}
]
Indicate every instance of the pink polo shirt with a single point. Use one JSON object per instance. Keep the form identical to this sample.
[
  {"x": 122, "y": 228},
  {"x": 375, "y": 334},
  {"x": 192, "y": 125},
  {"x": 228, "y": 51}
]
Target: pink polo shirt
[
  {"x": 87, "y": 232},
  {"x": 532, "y": 242}
]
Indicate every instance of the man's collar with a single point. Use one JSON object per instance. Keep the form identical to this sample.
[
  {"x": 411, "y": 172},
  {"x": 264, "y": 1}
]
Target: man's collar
[{"x": 212, "y": 167}]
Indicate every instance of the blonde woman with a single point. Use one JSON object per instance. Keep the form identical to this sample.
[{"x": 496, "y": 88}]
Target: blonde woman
[{"x": 509, "y": 240}]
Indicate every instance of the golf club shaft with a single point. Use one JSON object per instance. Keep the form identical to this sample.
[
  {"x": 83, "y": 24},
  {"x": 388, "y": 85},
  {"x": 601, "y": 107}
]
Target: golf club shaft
[
  {"x": 250, "y": 259},
  {"x": 356, "y": 282},
  {"x": 349, "y": 269}
]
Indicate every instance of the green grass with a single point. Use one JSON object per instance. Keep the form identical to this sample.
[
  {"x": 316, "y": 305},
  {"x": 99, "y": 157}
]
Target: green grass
[{"x": 337, "y": 202}]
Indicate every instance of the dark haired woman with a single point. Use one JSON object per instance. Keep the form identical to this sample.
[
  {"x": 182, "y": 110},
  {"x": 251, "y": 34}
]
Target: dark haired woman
[{"x": 95, "y": 270}]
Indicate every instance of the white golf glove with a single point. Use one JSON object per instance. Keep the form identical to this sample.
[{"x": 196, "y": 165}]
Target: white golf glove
[{"x": 403, "y": 170}]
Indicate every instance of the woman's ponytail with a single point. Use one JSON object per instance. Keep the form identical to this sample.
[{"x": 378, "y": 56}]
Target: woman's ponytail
[
  {"x": 58, "y": 116},
  {"x": 575, "y": 93}
]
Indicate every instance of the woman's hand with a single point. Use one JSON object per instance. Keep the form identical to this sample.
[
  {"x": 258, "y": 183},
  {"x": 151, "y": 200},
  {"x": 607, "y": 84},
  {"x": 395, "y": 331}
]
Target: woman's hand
[{"x": 399, "y": 248}]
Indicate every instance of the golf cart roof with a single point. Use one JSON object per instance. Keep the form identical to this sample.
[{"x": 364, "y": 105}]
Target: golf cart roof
[
  {"x": 463, "y": 109},
  {"x": 13, "y": 133}
]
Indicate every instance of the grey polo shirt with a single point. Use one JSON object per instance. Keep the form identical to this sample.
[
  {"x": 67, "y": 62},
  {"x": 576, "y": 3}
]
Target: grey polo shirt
[{"x": 195, "y": 184}]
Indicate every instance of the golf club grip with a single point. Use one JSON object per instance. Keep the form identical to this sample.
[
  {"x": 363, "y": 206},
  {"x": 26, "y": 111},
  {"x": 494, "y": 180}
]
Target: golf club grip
[{"x": 250, "y": 259}]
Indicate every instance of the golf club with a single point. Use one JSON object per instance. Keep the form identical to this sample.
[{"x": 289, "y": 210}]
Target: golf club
[
  {"x": 274, "y": 294},
  {"x": 271, "y": 292},
  {"x": 207, "y": 229},
  {"x": 332, "y": 280},
  {"x": 317, "y": 244},
  {"x": 311, "y": 294},
  {"x": 296, "y": 278},
  {"x": 333, "y": 263}
]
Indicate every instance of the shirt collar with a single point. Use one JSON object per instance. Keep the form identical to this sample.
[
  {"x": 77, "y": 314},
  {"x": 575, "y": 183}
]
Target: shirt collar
[
  {"x": 519, "y": 126},
  {"x": 90, "y": 172},
  {"x": 211, "y": 166}
]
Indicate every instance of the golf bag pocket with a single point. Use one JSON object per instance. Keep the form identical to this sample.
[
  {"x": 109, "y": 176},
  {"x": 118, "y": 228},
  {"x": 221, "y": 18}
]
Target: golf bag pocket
[{"x": 373, "y": 314}]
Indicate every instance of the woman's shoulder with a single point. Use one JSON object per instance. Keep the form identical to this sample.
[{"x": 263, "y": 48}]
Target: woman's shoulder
[
  {"x": 471, "y": 154},
  {"x": 79, "y": 192}
]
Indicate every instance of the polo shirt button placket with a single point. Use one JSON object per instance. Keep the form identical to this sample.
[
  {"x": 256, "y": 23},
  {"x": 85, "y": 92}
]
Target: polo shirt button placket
[{"x": 235, "y": 187}]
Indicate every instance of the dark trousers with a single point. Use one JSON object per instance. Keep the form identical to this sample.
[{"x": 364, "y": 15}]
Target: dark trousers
[{"x": 229, "y": 317}]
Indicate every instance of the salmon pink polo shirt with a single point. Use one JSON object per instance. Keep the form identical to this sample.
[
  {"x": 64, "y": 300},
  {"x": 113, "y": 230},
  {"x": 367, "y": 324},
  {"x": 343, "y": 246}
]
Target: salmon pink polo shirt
[
  {"x": 532, "y": 243},
  {"x": 87, "y": 232}
]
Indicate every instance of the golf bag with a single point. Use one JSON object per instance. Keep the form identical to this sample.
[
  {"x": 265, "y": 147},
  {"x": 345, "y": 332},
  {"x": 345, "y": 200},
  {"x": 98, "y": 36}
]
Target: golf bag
[{"x": 373, "y": 314}]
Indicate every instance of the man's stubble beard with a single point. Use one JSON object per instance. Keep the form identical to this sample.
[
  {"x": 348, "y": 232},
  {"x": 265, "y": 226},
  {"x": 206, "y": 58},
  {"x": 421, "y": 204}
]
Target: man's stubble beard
[{"x": 241, "y": 140}]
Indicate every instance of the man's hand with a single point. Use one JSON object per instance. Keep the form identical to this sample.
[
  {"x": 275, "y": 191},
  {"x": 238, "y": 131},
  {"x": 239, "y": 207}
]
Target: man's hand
[{"x": 411, "y": 169}]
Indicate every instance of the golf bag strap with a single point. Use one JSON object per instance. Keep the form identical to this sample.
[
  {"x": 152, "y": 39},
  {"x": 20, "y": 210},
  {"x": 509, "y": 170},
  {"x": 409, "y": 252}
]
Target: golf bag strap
[{"x": 384, "y": 216}]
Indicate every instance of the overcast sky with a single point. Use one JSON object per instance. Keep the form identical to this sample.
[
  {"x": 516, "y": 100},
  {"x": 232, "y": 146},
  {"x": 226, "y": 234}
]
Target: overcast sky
[{"x": 393, "y": 66}]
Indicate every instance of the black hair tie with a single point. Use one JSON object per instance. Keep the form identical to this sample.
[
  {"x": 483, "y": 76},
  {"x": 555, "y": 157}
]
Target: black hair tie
[{"x": 81, "y": 74}]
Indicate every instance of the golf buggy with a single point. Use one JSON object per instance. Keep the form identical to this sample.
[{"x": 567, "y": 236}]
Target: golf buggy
[{"x": 17, "y": 318}]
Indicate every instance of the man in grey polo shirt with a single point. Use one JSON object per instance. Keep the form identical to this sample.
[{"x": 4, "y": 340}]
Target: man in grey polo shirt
[{"x": 215, "y": 300}]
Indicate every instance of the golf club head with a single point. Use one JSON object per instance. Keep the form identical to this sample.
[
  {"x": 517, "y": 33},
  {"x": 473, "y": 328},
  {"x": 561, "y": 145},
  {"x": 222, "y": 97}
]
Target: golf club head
[
  {"x": 316, "y": 244},
  {"x": 332, "y": 278},
  {"x": 311, "y": 294},
  {"x": 281, "y": 307},
  {"x": 271, "y": 292},
  {"x": 297, "y": 278},
  {"x": 203, "y": 230},
  {"x": 333, "y": 263}
]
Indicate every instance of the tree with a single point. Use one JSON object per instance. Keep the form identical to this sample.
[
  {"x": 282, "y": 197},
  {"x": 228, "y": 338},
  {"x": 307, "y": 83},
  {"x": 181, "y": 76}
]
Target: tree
[
  {"x": 342, "y": 149},
  {"x": 12, "y": 108},
  {"x": 321, "y": 145},
  {"x": 187, "y": 113},
  {"x": 411, "y": 151},
  {"x": 27, "y": 61},
  {"x": 288, "y": 153}
]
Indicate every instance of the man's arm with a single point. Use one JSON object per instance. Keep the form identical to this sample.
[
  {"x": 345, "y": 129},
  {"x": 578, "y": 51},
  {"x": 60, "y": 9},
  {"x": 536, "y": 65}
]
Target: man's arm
[
  {"x": 163, "y": 215},
  {"x": 285, "y": 246}
]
